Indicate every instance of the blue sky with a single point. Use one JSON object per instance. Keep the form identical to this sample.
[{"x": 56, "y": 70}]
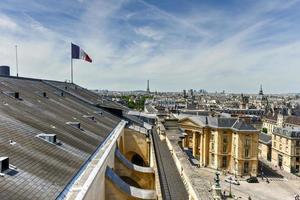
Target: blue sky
[{"x": 232, "y": 45}]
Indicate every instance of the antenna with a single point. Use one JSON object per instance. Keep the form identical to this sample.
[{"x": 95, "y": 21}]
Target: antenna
[{"x": 17, "y": 64}]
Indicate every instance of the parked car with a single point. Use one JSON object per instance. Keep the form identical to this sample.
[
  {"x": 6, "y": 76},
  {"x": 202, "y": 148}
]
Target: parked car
[
  {"x": 252, "y": 179},
  {"x": 232, "y": 180}
]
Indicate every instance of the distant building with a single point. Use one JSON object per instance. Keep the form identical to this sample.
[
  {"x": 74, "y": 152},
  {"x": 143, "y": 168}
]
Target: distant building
[
  {"x": 261, "y": 100},
  {"x": 278, "y": 120},
  {"x": 286, "y": 149},
  {"x": 184, "y": 94},
  {"x": 229, "y": 144},
  {"x": 191, "y": 92},
  {"x": 265, "y": 146},
  {"x": 148, "y": 87},
  {"x": 244, "y": 102}
]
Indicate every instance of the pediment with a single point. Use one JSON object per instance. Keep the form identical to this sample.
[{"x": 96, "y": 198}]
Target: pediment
[{"x": 187, "y": 122}]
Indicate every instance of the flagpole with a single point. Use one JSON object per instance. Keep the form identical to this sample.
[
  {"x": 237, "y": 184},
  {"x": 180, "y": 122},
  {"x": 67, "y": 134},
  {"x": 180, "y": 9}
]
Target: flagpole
[
  {"x": 71, "y": 65},
  {"x": 17, "y": 61}
]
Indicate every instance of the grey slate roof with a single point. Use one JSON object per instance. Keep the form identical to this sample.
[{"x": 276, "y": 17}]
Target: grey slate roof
[
  {"x": 243, "y": 126},
  {"x": 219, "y": 122},
  {"x": 289, "y": 132},
  {"x": 265, "y": 138},
  {"x": 43, "y": 169}
]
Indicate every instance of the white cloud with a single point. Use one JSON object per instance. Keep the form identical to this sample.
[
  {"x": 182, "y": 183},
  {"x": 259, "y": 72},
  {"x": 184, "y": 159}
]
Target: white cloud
[
  {"x": 7, "y": 23},
  {"x": 149, "y": 32},
  {"x": 211, "y": 49}
]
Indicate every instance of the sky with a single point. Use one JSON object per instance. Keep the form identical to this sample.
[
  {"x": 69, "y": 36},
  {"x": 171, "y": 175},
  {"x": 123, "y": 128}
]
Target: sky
[{"x": 231, "y": 45}]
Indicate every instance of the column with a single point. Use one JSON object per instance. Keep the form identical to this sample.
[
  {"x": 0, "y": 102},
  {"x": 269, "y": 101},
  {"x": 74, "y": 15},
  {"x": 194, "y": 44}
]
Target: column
[
  {"x": 204, "y": 148},
  {"x": 187, "y": 140},
  {"x": 194, "y": 144},
  {"x": 201, "y": 149}
]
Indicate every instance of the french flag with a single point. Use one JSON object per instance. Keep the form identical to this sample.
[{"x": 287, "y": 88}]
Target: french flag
[{"x": 78, "y": 53}]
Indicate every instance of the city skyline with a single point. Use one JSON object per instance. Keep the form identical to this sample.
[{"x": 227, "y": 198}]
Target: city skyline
[{"x": 176, "y": 45}]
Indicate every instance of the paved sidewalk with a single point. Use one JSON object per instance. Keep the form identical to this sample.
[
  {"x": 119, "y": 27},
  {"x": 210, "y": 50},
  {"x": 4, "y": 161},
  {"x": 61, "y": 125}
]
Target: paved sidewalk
[{"x": 286, "y": 175}]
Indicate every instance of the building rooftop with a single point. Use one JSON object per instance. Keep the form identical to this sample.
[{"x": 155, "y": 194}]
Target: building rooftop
[
  {"x": 219, "y": 122},
  {"x": 290, "y": 132},
  {"x": 294, "y": 120},
  {"x": 86, "y": 95},
  {"x": 265, "y": 138},
  {"x": 42, "y": 169}
]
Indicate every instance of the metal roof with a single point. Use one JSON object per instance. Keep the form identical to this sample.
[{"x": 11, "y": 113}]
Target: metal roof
[{"x": 43, "y": 169}]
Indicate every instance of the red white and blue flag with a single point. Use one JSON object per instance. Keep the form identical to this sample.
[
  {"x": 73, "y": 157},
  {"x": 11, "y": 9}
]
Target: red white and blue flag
[{"x": 79, "y": 53}]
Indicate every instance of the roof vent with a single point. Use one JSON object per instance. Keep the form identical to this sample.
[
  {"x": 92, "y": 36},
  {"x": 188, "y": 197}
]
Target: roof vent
[
  {"x": 15, "y": 95},
  {"x": 11, "y": 142},
  {"x": 91, "y": 117},
  {"x": 51, "y": 138},
  {"x": 4, "y": 164},
  {"x": 42, "y": 94},
  {"x": 59, "y": 93},
  {"x": 98, "y": 112},
  {"x": 74, "y": 124}
]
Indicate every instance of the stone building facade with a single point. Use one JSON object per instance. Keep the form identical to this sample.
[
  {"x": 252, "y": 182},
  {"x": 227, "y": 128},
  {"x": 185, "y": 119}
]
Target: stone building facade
[
  {"x": 227, "y": 144},
  {"x": 286, "y": 149}
]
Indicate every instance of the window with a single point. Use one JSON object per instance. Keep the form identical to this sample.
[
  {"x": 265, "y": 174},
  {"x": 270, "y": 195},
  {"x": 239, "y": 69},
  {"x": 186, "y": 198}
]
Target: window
[
  {"x": 247, "y": 147},
  {"x": 212, "y": 159},
  {"x": 225, "y": 144},
  {"x": 224, "y": 162},
  {"x": 297, "y": 159},
  {"x": 297, "y": 143},
  {"x": 246, "y": 167},
  {"x": 280, "y": 146}
]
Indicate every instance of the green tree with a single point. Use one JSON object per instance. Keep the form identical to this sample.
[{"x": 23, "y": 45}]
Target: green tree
[{"x": 264, "y": 130}]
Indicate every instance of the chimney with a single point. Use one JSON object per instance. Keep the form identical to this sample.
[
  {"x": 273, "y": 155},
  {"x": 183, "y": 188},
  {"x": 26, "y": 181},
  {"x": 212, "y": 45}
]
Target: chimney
[
  {"x": 4, "y": 164},
  {"x": 17, "y": 95},
  {"x": 44, "y": 94}
]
